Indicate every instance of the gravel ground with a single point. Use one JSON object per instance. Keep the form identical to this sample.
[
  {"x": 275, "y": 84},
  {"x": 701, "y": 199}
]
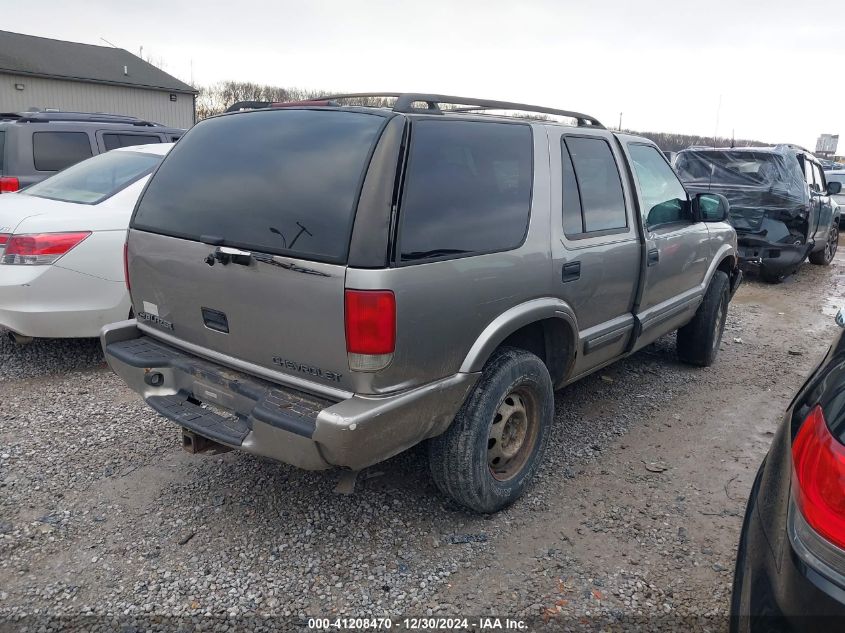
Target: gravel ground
[{"x": 106, "y": 524}]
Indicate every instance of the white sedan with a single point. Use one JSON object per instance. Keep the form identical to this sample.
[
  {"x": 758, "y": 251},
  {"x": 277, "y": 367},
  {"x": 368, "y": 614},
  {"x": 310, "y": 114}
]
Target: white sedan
[{"x": 61, "y": 246}]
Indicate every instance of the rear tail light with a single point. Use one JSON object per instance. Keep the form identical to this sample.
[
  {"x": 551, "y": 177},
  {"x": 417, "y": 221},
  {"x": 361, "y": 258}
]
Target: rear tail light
[
  {"x": 4, "y": 239},
  {"x": 819, "y": 478},
  {"x": 370, "y": 329},
  {"x": 8, "y": 184},
  {"x": 40, "y": 248}
]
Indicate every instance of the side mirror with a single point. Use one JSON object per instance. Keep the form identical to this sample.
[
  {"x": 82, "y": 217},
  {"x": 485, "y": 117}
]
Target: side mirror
[
  {"x": 711, "y": 207},
  {"x": 834, "y": 188}
]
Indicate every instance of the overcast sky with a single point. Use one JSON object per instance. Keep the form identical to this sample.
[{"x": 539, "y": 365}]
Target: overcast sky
[{"x": 777, "y": 65}]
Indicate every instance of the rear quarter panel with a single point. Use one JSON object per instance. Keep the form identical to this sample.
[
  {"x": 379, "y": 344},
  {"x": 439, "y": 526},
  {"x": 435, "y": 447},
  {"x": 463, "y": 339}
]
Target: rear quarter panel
[{"x": 444, "y": 306}]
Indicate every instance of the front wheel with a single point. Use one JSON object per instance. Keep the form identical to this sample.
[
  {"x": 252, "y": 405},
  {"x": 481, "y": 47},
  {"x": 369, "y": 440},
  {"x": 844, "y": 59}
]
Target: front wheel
[
  {"x": 699, "y": 340},
  {"x": 490, "y": 453},
  {"x": 825, "y": 256}
]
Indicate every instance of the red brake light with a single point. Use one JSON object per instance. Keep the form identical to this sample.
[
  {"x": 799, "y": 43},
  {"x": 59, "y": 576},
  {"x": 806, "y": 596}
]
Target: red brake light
[
  {"x": 9, "y": 184},
  {"x": 370, "y": 322},
  {"x": 40, "y": 248},
  {"x": 819, "y": 462}
]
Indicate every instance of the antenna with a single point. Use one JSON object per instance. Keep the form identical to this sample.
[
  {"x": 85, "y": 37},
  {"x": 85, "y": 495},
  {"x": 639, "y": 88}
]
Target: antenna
[
  {"x": 718, "y": 112},
  {"x": 109, "y": 43}
]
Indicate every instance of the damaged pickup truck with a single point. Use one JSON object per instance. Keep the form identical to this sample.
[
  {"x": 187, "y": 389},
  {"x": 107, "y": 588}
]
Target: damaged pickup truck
[{"x": 780, "y": 203}]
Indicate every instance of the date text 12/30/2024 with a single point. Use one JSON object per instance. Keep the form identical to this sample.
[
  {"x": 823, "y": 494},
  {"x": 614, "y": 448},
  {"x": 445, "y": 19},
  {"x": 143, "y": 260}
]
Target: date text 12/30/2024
[{"x": 418, "y": 624}]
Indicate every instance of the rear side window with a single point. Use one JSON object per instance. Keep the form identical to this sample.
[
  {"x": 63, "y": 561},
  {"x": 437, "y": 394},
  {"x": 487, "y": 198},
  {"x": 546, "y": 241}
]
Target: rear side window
[
  {"x": 598, "y": 199},
  {"x": 467, "y": 189},
  {"x": 276, "y": 181},
  {"x": 52, "y": 151},
  {"x": 96, "y": 179},
  {"x": 113, "y": 141}
]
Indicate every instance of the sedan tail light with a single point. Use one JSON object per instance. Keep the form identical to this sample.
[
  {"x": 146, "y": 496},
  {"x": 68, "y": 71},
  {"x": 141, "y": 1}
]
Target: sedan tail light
[
  {"x": 819, "y": 462},
  {"x": 370, "y": 329},
  {"x": 8, "y": 184},
  {"x": 4, "y": 239},
  {"x": 38, "y": 249}
]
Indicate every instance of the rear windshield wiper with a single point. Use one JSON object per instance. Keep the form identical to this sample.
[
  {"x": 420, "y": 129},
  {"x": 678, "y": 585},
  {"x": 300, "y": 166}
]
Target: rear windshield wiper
[{"x": 437, "y": 252}]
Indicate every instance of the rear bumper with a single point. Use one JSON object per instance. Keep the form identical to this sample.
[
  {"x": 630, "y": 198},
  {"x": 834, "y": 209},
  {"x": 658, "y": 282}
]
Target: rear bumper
[
  {"x": 55, "y": 302},
  {"x": 269, "y": 419},
  {"x": 756, "y": 252}
]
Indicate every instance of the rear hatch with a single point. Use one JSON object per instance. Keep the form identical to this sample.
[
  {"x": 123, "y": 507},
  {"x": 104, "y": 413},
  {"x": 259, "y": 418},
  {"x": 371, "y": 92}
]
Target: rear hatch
[
  {"x": 748, "y": 204},
  {"x": 239, "y": 244}
]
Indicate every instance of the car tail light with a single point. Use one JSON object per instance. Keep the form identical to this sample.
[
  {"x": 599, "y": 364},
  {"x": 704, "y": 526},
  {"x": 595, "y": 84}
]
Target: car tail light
[
  {"x": 40, "y": 248},
  {"x": 126, "y": 264},
  {"x": 819, "y": 472},
  {"x": 370, "y": 329},
  {"x": 8, "y": 184},
  {"x": 4, "y": 239}
]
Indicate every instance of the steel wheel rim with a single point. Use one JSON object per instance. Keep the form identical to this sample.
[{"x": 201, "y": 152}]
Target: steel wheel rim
[
  {"x": 832, "y": 243},
  {"x": 513, "y": 434}
]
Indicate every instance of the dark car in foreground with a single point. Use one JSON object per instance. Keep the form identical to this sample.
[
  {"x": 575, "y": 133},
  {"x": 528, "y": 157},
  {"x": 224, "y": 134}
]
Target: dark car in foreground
[
  {"x": 780, "y": 202},
  {"x": 790, "y": 569}
]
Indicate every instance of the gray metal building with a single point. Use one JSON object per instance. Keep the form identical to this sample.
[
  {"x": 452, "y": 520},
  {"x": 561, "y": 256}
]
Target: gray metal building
[{"x": 37, "y": 72}]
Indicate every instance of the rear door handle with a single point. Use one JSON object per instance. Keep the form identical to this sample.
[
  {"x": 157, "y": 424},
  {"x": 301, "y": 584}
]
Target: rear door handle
[
  {"x": 653, "y": 257},
  {"x": 571, "y": 271}
]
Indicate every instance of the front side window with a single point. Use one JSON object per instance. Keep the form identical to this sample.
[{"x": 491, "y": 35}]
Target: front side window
[
  {"x": 808, "y": 174},
  {"x": 113, "y": 141},
  {"x": 467, "y": 189},
  {"x": 52, "y": 151},
  {"x": 96, "y": 179},
  {"x": 663, "y": 197},
  {"x": 592, "y": 188},
  {"x": 818, "y": 176}
]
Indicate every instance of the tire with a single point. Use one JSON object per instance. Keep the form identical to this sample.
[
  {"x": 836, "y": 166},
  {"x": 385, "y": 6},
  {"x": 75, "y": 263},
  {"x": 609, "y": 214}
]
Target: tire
[
  {"x": 513, "y": 398},
  {"x": 826, "y": 255},
  {"x": 698, "y": 341}
]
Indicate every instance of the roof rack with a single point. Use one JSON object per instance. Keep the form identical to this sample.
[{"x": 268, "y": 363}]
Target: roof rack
[
  {"x": 406, "y": 103},
  {"x": 44, "y": 116},
  {"x": 259, "y": 105}
]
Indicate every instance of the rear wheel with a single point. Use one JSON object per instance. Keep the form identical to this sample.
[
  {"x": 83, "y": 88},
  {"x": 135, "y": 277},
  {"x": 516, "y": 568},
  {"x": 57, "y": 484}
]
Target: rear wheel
[
  {"x": 699, "y": 340},
  {"x": 490, "y": 453},
  {"x": 825, "y": 256}
]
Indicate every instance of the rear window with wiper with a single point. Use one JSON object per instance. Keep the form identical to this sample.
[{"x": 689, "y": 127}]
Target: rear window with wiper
[{"x": 275, "y": 181}]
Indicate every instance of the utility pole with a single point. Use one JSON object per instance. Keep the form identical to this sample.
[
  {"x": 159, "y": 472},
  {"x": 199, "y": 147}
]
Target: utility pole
[{"x": 620, "y": 121}]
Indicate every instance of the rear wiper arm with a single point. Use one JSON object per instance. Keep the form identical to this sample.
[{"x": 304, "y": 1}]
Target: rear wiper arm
[{"x": 437, "y": 252}]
